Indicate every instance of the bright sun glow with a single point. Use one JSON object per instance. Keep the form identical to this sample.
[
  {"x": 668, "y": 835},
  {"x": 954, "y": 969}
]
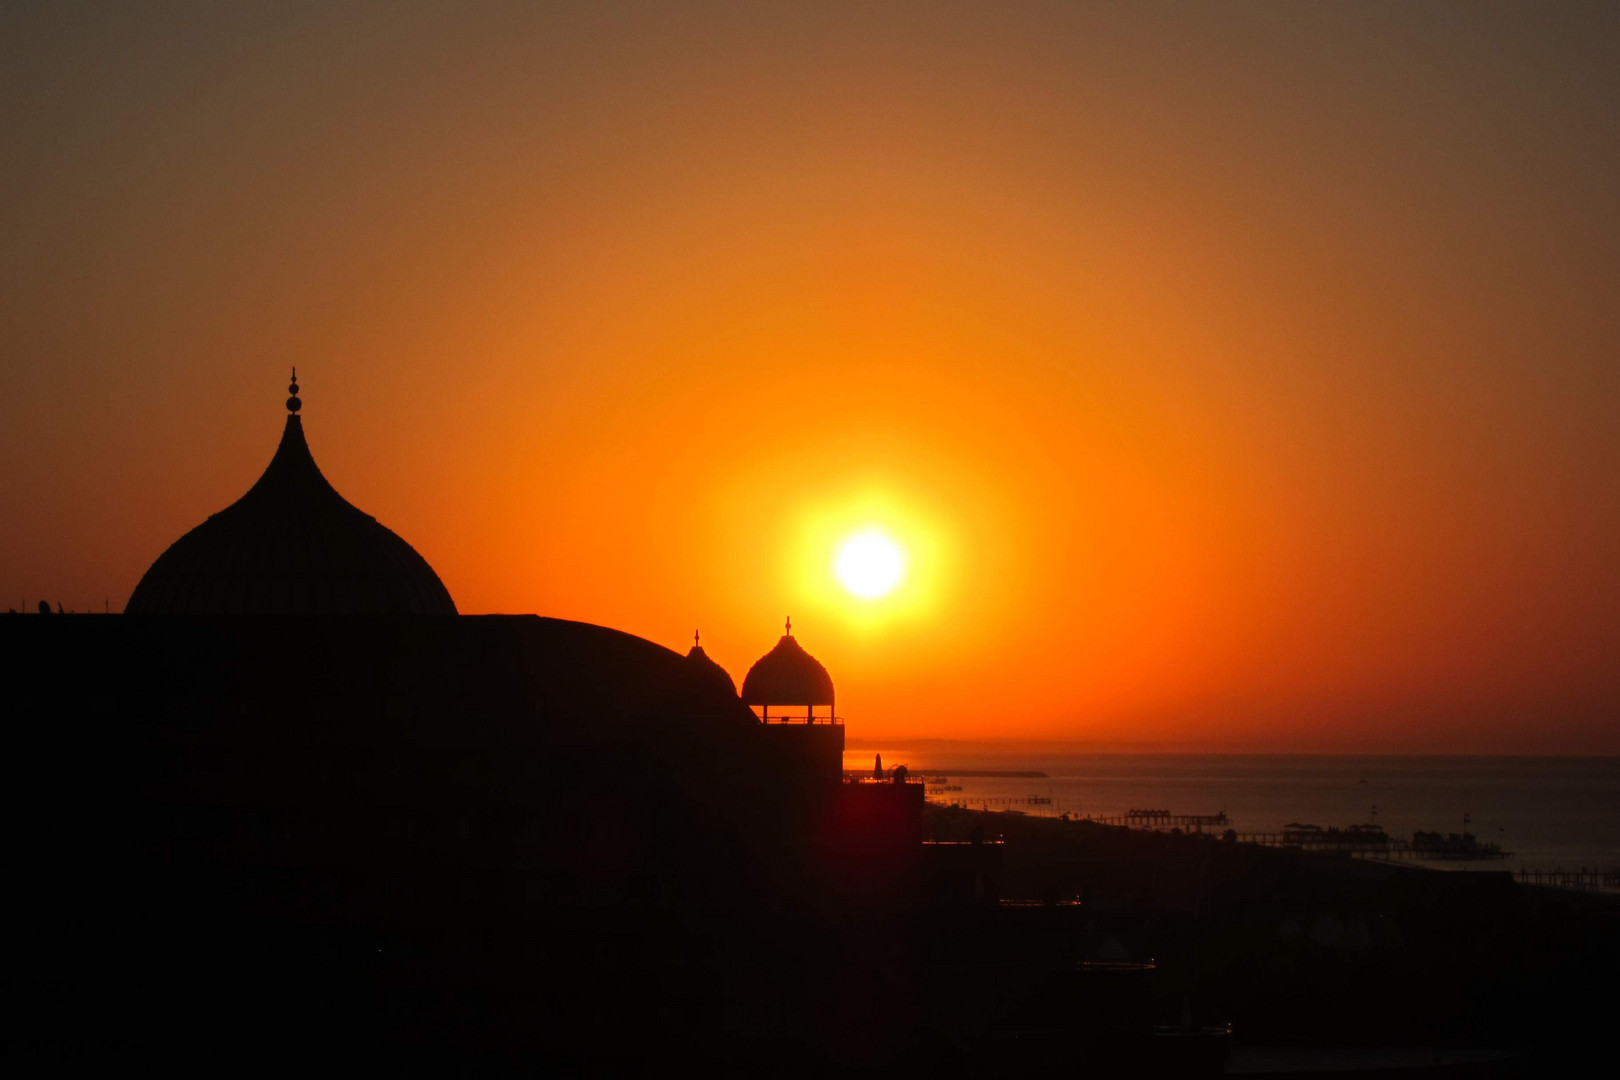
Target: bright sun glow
[{"x": 870, "y": 564}]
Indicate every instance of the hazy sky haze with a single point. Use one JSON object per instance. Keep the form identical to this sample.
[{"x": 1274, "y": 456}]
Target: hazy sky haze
[{"x": 1241, "y": 376}]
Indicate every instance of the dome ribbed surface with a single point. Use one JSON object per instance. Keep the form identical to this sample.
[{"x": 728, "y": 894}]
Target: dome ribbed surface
[
  {"x": 787, "y": 675},
  {"x": 291, "y": 546}
]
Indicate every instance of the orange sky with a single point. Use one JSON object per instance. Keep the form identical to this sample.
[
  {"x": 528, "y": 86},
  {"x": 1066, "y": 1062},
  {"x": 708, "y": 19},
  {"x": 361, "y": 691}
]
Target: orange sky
[{"x": 1239, "y": 377}]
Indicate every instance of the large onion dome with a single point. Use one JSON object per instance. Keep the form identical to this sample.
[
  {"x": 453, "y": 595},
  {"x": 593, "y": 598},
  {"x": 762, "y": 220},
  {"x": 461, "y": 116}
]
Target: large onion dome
[
  {"x": 291, "y": 546},
  {"x": 787, "y": 675},
  {"x": 703, "y": 667}
]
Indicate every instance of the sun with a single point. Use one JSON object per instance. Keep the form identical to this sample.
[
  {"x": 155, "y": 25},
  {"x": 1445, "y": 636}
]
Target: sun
[{"x": 870, "y": 564}]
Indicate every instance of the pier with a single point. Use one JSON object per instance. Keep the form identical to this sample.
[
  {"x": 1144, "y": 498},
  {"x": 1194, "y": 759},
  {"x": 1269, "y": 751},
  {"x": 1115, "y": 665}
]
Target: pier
[
  {"x": 1582, "y": 880},
  {"x": 1009, "y": 800},
  {"x": 1372, "y": 842},
  {"x": 943, "y": 776},
  {"x": 1164, "y": 819}
]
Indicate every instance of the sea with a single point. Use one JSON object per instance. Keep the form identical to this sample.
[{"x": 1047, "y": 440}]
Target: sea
[{"x": 1550, "y": 812}]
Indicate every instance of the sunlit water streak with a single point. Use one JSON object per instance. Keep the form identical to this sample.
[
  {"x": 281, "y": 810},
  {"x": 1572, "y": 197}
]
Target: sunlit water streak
[{"x": 1550, "y": 812}]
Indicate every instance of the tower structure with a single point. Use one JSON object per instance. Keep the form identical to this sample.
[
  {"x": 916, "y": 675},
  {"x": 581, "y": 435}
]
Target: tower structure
[{"x": 789, "y": 679}]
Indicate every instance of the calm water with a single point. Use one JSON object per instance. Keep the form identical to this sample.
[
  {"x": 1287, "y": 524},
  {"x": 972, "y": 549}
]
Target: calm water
[{"x": 1551, "y": 812}]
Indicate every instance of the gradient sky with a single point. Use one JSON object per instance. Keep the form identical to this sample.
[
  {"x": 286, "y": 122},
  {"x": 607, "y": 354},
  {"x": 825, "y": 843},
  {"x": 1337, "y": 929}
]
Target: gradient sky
[{"x": 1238, "y": 376}]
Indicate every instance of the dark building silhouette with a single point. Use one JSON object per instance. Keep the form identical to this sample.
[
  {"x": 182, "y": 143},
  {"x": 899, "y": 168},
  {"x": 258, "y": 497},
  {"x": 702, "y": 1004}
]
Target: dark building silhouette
[
  {"x": 293, "y": 798},
  {"x": 707, "y": 670},
  {"x": 292, "y": 808},
  {"x": 291, "y": 546},
  {"x": 789, "y": 678}
]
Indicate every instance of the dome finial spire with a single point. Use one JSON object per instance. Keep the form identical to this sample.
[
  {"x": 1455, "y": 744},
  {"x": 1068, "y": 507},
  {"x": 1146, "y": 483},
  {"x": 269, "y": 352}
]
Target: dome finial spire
[
  {"x": 788, "y": 629},
  {"x": 293, "y": 404},
  {"x": 695, "y": 641}
]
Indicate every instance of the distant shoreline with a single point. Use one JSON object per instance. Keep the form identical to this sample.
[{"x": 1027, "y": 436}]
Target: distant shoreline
[
  {"x": 946, "y": 770},
  {"x": 1039, "y": 748}
]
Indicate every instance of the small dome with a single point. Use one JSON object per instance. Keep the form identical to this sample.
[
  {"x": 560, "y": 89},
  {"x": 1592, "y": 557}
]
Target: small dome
[
  {"x": 291, "y": 546},
  {"x": 706, "y": 669},
  {"x": 787, "y": 675}
]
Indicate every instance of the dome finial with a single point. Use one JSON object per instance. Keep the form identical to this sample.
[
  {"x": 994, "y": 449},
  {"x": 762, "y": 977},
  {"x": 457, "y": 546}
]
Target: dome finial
[
  {"x": 695, "y": 641},
  {"x": 788, "y": 629},
  {"x": 293, "y": 404}
]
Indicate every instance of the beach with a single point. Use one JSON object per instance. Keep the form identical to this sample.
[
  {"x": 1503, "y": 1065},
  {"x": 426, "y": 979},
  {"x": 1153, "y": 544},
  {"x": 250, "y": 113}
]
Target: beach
[{"x": 1550, "y": 812}]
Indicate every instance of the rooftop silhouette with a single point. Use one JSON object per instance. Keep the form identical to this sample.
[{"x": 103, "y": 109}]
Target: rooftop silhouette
[
  {"x": 291, "y": 546},
  {"x": 787, "y": 675}
]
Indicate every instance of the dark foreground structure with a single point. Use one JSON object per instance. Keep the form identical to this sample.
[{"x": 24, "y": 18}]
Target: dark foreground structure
[{"x": 293, "y": 811}]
